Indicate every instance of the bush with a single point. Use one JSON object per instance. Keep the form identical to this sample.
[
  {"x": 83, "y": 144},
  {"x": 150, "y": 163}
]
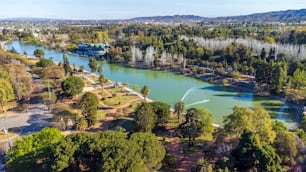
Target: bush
[
  {"x": 235, "y": 75},
  {"x": 225, "y": 81},
  {"x": 44, "y": 63},
  {"x": 210, "y": 80},
  {"x": 72, "y": 86},
  {"x": 170, "y": 160}
]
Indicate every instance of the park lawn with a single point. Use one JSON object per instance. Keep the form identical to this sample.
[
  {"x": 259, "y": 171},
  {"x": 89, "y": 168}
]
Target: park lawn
[
  {"x": 198, "y": 144},
  {"x": 101, "y": 115},
  {"x": 134, "y": 105},
  {"x": 119, "y": 100},
  {"x": 172, "y": 122},
  {"x": 115, "y": 90}
]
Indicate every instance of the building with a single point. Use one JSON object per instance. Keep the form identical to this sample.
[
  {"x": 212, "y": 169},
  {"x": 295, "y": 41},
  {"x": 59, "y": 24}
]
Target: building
[{"x": 91, "y": 50}]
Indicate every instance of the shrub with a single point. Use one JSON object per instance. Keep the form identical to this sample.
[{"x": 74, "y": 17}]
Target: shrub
[{"x": 170, "y": 160}]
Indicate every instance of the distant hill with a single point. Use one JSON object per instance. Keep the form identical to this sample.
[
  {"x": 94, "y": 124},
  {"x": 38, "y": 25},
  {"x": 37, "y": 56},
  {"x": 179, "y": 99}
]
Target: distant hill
[
  {"x": 275, "y": 16},
  {"x": 175, "y": 18}
]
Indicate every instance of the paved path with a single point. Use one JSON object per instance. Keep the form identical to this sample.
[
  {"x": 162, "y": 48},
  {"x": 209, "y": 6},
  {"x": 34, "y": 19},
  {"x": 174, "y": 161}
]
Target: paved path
[{"x": 35, "y": 118}]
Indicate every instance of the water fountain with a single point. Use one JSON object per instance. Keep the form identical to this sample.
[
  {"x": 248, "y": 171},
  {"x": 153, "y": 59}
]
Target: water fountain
[
  {"x": 149, "y": 57},
  {"x": 163, "y": 58},
  {"x": 198, "y": 102},
  {"x": 133, "y": 53}
]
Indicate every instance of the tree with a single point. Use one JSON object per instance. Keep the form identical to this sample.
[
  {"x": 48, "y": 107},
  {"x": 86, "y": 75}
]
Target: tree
[
  {"x": 263, "y": 54},
  {"x": 74, "y": 66},
  {"x": 152, "y": 152},
  {"x": 100, "y": 70},
  {"x": 136, "y": 87},
  {"x": 39, "y": 53},
  {"x": 54, "y": 72},
  {"x": 303, "y": 124},
  {"x": 162, "y": 112},
  {"x": 6, "y": 93},
  {"x": 203, "y": 166},
  {"x": 298, "y": 79},
  {"x": 145, "y": 117},
  {"x": 145, "y": 92},
  {"x": 66, "y": 65},
  {"x": 198, "y": 122},
  {"x": 179, "y": 109},
  {"x": 104, "y": 151},
  {"x": 93, "y": 64},
  {"x": 44, "y": 63},
  {"x": 63, "y": 118},
  {"x": 263, "y": 72},
  {"x": 279, "y": 76},
  {"x": 257, "y": 121},
  {"x": 89, "y": 104},
  {"x": 250, "y": 156},
  {"x": 72, "y": 86},
  {"x": 34, "y": 152},
  {"x": 49, "y": 98},
  {"x": 102, "y": 81},
  {"x": 81, "y": 124},
  {"x": 22, "y": 83},
  {"x": 82, "y": 68},
  {"x": 285, "y": 145}
]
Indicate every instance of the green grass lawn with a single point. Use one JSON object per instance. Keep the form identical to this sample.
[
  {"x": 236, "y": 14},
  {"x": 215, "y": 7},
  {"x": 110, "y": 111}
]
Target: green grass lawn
[
  {"x": 101, "y": 115},
  {"x": 118, "y": 100},
  {"x": 172, "y": 122}
]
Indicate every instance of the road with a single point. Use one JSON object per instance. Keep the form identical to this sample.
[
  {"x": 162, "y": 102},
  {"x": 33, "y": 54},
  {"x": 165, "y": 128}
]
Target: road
[{"x": 35, "y": 118}]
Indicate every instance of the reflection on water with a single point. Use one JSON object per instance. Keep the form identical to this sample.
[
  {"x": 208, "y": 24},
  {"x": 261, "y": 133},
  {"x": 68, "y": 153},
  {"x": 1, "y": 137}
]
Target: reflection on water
[{"x": 170, "y": 88}]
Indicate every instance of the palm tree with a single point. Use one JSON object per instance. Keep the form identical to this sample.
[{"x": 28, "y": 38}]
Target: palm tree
[
  {"x": 203, "y": 166},
  {"x": 145, "y": 92},
  {"x": 25, "y": 53},
  {"x": 74, "y": 67},
  {"x": 102, "y": 80},
  {"x": 179, "y": 109},
  {"x": 100, "y": 70},
  {"x": 82, "y": 68}
]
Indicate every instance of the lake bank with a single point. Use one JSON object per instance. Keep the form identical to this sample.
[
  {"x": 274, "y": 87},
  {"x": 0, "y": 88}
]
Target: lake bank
[{"x": 171, "y": 87}]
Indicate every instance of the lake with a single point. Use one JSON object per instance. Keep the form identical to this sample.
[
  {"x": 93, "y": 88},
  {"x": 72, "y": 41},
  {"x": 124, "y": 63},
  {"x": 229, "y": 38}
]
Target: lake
[{"x": 170, "y": 88}]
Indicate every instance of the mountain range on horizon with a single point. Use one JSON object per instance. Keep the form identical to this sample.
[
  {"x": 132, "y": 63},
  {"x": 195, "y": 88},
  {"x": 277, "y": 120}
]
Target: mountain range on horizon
[{"x": 274, "y": 16}]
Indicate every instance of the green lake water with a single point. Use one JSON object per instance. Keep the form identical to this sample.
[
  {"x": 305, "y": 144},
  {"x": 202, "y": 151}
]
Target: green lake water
[{"x": 170, "y": 88}]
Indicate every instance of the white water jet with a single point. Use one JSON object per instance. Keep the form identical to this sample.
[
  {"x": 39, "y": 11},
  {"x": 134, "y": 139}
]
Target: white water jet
[
  {"x": 133, "y": 53},
  {"x": 198, "y": 102},
  {"x": 163, "y": 58},
  {"x": 186, "y": 93},
  {"x": 180, "y": 59},
  {"x": 138, "y": 54},
  {"x": 169, "y": 57},
  {"x": 149, "y": 57},
  {"x": 294, "y": 52}
]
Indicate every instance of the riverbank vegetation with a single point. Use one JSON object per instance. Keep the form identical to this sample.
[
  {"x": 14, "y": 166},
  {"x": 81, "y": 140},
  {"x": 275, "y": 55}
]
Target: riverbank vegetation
[
  {"x": 16, "y": 81},
  {"x": 227, "y": 50},
  {"x": 148, "y": 136}
]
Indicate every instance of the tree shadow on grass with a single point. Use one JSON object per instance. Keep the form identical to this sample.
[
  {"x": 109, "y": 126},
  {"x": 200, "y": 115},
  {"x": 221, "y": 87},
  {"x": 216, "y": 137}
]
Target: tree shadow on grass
[{"x": 128, "y": 125}]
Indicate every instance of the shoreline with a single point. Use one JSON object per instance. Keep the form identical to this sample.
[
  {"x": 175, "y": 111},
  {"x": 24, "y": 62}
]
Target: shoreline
[
  {"x": 2, "y": 45},
  {"x": 138, "y": 94},
  {"x": 297, "y": 107}
]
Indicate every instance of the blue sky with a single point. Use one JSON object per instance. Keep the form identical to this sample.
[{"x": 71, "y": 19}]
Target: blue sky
[{"x": 122, "y": 9}]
